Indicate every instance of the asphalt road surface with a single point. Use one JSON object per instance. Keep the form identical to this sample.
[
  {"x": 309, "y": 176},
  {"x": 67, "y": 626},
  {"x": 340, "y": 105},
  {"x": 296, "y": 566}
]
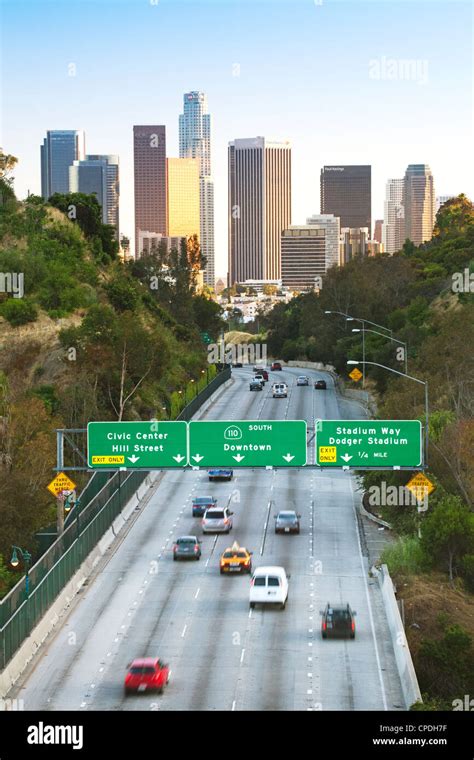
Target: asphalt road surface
[{"x": 222, "y": 655}]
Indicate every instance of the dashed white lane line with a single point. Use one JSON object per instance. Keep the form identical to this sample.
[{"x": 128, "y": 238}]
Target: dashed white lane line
[
  {"x": 233, "y": 705},
  {"x": 197, "y": 593},
  {"x": 242, "y": 656},
  {"x": 250, "y": 613},
  {"x": 184, "y": 631}
]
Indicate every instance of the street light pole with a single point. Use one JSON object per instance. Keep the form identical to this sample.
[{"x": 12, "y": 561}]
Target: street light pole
[
  {"x": 416, "y": 380},
  {"x": 402, "y": 342},
  {"x": 26, "y": 557}
]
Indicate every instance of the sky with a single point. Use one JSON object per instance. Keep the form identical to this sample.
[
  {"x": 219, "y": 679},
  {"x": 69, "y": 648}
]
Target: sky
[{"x": 374, "y": 82}]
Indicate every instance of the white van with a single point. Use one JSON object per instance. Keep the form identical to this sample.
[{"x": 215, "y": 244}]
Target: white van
[
  {"x": 279, "y": 390},
  {"x": 269, "y": 585}
]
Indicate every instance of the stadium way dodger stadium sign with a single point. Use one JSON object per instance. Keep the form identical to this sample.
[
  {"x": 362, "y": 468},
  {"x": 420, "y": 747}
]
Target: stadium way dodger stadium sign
[{"x": 369, "y": 443}]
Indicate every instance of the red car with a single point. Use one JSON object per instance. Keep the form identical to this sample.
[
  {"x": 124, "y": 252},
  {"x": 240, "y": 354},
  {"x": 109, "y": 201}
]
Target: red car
[
  {"x": 147, "y": 674},
  {"x": 276, "y": 366}
]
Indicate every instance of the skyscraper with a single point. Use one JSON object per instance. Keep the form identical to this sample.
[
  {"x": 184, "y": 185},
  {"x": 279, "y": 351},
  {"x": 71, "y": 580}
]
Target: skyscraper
[
  {"x": 346, "y": 193},
  {"x": 303, "y": 257},
  {"x": 149, "y": 156},
  {"x": 393, "y": 230},
  {"x": 100, "y": 175},
  {"x": 195, "y": 142},
  {"x": 419, "y": 202},
  {"x": 61, "y": 147},
  {"x": 259, "y": 207},
  {"x": 183, "y": 209}
]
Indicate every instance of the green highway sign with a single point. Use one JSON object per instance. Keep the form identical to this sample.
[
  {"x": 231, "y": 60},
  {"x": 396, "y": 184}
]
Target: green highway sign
[
  {"x": 248, "y": 443},
  {"x": 368, "y": 443},
  {"x": 152, "y": 444}
]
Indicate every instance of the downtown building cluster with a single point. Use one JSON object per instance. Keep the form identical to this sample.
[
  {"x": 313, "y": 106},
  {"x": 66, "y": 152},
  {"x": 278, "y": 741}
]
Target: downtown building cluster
[
  {"x": 265, "y": 247},
  {"x": 174, "y": 197}
]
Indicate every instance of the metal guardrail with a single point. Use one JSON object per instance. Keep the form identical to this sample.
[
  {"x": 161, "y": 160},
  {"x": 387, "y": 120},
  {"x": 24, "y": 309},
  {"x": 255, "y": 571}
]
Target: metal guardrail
[{"x": 49, "y": 575}]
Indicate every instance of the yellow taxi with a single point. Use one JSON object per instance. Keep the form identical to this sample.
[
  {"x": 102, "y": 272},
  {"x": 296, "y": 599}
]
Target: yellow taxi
[{"x": 236, "y": 559}]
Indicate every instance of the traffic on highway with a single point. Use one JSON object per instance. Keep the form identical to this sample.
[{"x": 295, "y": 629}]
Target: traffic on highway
[{"x": 161, "y": 625}]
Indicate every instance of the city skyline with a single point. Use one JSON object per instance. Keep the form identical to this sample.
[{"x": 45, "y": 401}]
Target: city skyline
[{"x": 404, "y": 122}]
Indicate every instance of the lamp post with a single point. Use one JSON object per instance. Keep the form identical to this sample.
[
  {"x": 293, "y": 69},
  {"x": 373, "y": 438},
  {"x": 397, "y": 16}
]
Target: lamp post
[
  {"x": 376, "y": 332},
  {"x": 416, "y": 380},
  {"x": 14, "y": 562},
  {"x": 194, "y": 386}
]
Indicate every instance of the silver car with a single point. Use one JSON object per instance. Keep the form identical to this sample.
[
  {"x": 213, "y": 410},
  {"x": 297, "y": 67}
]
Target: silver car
[
  {"x": 302, "y": 380},
  {"x": 187, "y": 547},
  {"x": 217, "y": 520}
]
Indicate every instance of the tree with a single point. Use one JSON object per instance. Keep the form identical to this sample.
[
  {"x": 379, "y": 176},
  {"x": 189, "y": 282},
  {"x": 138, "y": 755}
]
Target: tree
[{"x": 448, "y": 533}]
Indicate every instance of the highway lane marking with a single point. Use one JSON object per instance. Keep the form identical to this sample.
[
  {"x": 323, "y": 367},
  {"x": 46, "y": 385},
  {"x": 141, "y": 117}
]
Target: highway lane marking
[
  {"x": 250, "y": 613},
  {"x": 184, "y": 631},
  {"x": 242, "y": 656},
  {"x": 196, "y": 594},
  {"x": 371, "y": 617},
  {"x": 233, "y": 705}
]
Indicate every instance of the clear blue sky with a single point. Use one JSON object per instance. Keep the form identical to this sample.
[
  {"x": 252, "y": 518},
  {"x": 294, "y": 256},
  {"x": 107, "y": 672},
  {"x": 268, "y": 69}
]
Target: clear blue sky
[{"x": 309, "y": 72}]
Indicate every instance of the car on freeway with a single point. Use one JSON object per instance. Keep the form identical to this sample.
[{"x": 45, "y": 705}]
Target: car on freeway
[
  {"x": 302, "y": 380},
  {"x": 338, "y": 621},
  {"x": 201, "y": 503},
  {"x": 220, "y": 473},
  {"x": 279, "y": 390},
  {"x": 217, "y": 520},
  {"x": 187, "y": 547},
  {"x": 276, "y": 366},
  {"x": 287, "y": 521},
  {"x": 261, "y": 371},
  {"x": 146, "y": 674},
  {"x": 237, "y": 364},
  {"x": 256, "y": 385},
  {"x": 236, "y": 559},
  {"x": 269, "y": 585},
  {"x": 320, "y": 384},
  {"x": 260, "y": 378}
]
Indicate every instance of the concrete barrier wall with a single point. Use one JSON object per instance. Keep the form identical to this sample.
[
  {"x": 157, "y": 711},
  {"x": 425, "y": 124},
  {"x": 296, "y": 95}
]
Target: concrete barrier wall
[{"x": 405, "y": 667}]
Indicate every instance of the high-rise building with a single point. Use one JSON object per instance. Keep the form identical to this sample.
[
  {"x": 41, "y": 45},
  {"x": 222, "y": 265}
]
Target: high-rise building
[
  {"x": 99, "y": 175},
  {"x": 378, "y": 227},
  {"x": 149, "y": 157},
  {"x": 331, "y": 226},
  {"x": 303, "y": 257},
  {"x": 183, "y": 210},
  {"x": 195, "y": 142},
  {"x": 61, "y": 147},
  {"x": 393, "y": 231},
  {"x": 259, "y": 207},
  {"x": 346, "y": 193},
  {"x": 419, "y": 203}
]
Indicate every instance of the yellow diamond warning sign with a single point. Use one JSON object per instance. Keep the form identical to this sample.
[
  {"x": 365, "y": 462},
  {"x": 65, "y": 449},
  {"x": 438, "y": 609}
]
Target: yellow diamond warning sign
[
  {"x": 356, "y": 374},
  {"x": 328, "y": 454},
  {"x": 420, "y": 486},
  {"x": 61, "y": 483}
]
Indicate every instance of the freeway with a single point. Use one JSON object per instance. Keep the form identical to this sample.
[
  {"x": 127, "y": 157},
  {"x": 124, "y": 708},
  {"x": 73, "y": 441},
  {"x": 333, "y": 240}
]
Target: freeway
[{"x": 222, "y": 655}]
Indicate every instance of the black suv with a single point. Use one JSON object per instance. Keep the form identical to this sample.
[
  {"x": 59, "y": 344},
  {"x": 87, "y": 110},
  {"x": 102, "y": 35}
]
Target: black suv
[
  {"x": 320, "y": 384},
  {"x": 338, "y": 621}
]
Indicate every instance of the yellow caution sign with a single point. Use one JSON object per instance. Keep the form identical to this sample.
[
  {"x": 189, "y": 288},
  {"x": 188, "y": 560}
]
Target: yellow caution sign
[
  {"x": 61, "y": 483},
  {"x": 420, "y": 486},
  {"x": 327, "y": 453},
  {"x": 356, "y": 374},
  {"x": 108, "y": 460}
]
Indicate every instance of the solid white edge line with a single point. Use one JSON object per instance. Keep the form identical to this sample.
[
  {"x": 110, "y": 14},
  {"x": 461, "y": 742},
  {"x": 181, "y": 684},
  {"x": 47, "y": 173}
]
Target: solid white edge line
[{"x": 377, "y": 657}]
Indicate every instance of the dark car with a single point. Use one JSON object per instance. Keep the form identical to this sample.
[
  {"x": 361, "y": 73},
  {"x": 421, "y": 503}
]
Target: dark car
[
  {"x": 320, "y": 384},
  {"x": 275, "y": 366},
  {"x": 220, "y": 474},
  {"x": 187, "y": 547},
  {"x": 146, "y": 674},
  {"x": 287, "y": 521},
  {"x": 261, "y": 371},
  {"x": 255, "y": 385},
  {"x": 338, "y": 621},
  {"x": 237, "y": 364},
  {"x": 201, "y": 503}
]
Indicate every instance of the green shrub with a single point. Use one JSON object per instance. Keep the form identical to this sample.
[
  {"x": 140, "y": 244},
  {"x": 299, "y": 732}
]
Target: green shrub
[
  {"x": 405, "y": 556},
  {"x": 18, "y": 311}
]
